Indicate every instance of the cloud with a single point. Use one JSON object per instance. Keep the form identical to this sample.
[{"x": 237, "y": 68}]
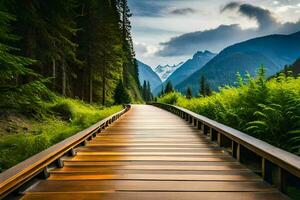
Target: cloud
[
  {"x": 183, "y": 11},
  {"x": 263, "y": 17},
  {"x": 218, "y": 38},
  {"x": 154, "y": 8},
  {"x": 213, "y": 40},
  {"x": 144, "y": 49}
]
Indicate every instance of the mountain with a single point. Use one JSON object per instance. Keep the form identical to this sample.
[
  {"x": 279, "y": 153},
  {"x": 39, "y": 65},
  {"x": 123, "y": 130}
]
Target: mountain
[
  {"x": 273, "y": 52},
  {"x": 164, "y": 71},
  {"x": 187, "y": 69},
  {"x": 147, "y": 74}
]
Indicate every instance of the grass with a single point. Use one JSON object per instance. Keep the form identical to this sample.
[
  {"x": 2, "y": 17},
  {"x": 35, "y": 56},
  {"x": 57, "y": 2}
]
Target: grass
[
  {"x": 268, "y": 110},
  {"x": 21, "y": 137}
]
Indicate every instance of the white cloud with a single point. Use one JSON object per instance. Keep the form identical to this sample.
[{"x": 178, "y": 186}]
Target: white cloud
[
  {"x": 144, "y": 49},
  {"x": 286, "y": 8}
]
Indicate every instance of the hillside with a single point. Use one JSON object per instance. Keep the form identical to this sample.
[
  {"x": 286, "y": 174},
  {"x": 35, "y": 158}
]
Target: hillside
[
  {"x": 147, "y": 74},
  {"x": 274, "y": 52},
  {"x": 188, "y": 68}
]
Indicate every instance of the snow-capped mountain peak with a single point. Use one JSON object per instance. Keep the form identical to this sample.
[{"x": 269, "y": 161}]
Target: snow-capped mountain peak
[{"x": 164, "y": 71}]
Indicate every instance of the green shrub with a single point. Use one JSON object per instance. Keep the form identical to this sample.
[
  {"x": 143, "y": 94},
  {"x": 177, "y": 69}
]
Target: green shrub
[
  {"x": 62, "y": 109},
  {"x": 268, "y": 110},
  {"x": 170, "y": 98}
]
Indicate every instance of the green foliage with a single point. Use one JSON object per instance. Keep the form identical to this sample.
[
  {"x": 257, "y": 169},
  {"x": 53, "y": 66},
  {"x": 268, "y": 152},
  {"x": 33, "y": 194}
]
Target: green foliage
[
  {"x": 146, "y": 91},
  {"x": 205, "y": 89},
  {"x": 121, "y": 95},
  {"x": 169, "y": 88},
  {"x": 50, "y": 129},
  {"x": 189, "y": 93},
  {"x": 25, "y": 96},
  {"x": 268, "y": 110},
  {"x": 171, "y": 98},
  {"x": 83, "y": 47}
]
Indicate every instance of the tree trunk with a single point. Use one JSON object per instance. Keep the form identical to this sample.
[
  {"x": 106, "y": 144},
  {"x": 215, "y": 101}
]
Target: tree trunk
[
  {"x": 64, "y": 81},
  {"x": 54, "y": 72},
  {"x": 103, "y": 91},
  {"x": 104, "y": 82},
  {"x": 83, "y": 85},
  {"x": 91, "y": 87}
]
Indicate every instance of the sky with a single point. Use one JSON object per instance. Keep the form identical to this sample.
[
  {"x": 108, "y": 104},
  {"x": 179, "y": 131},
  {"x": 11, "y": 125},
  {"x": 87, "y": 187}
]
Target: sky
[{"x": 171, "y": 31}]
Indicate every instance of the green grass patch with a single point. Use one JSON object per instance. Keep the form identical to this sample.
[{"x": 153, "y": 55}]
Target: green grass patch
[{"x": 29, "y": 136}]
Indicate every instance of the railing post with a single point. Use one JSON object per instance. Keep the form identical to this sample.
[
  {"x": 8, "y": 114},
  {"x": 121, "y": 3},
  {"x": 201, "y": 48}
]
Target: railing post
[
  {"x": 211, "y": 134},
  {"x": 263, "y": 168},
  {"x": 199, "y": 124},
  {"x": 238, "y": 152},
  {"x": 72, "y": 152},
  {"x": 202, "y": 128},
  {"x": 60, "y": 163},
  {"x": 219, "y": 139}
]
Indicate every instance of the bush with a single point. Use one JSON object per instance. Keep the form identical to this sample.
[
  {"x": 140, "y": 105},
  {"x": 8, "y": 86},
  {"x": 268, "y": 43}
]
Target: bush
[
  {"x": 170, "y": 98},
  {"x": 62, "y": 109},
  {"x": 268, "y": 110}
]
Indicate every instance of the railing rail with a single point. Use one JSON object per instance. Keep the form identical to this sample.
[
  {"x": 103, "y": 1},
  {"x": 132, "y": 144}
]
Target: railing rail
[
  {"x": 25, "y": 171},
  {"x": 276, "y": 164}
]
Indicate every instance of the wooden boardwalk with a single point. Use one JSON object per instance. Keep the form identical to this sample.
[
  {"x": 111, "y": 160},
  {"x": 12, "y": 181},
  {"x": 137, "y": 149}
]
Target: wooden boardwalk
[{"x": 151, "y": 154}]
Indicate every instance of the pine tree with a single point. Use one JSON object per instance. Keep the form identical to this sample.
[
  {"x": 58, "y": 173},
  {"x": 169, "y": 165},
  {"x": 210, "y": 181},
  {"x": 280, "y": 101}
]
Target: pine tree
[
  {"x": 169, "y": 88},
  {"x": 149, "y": 94},
  {"x": 130, "y": 67},
  {"x": 85, "y": 46},
  {"x": 162, "y": 91},
  {"x": 144, "y": 91},
  {"x": 15, "y": 94},
  {"x": 205, "y": 89},
  {"x": 121, "y": 95},
  {"x": 189, "y": 93}
]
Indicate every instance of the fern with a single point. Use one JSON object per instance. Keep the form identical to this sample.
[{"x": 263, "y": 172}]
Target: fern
[{"x": 266, "y": 109}]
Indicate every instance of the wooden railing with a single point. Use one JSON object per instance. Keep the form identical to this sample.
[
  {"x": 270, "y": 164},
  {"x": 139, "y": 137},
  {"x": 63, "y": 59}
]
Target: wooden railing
[
  {"x": 277, "y": 166},
  {"x": 39, "y": 165}
]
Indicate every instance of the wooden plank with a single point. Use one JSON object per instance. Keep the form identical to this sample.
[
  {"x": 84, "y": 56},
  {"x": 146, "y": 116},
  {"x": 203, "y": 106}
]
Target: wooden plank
[
  {"x": 108, "y": 170},
  {"x": 149, "y": 163},
  {"x": 126, "y": 185},
  {"x": 110, "y": 153},
  {"x": 162, "y": 177},
  {"x": 158, "y": 195},
  {"x": 169, "y": 167},
  {"x": 214, "y": 158},
  {"x": 150, "y": 153}
]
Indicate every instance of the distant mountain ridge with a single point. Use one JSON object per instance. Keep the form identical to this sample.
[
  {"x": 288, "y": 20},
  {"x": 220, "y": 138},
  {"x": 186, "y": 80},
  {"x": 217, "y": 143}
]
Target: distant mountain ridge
[
  {"x": 164, "y": 71},
  {"x": 273, "y": 51},
  {"x": 147, "y": 74},
  {"x": 188, "y": 68}
]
